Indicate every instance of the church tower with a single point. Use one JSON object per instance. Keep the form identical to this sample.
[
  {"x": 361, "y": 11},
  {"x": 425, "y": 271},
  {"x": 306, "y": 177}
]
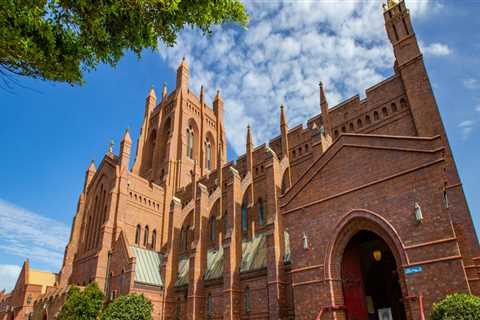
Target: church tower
[{"x": 179, "y": 132}]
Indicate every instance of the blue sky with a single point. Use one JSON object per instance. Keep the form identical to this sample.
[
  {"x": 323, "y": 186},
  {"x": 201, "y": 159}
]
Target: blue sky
[{"x": 50, "y": 131}]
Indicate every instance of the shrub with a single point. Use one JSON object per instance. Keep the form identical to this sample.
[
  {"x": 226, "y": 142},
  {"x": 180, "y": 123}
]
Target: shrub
[
  {"x": 457, "y": 306},
  {"x": 130, "y": 307},
  {"x": 82, "y": 305}
]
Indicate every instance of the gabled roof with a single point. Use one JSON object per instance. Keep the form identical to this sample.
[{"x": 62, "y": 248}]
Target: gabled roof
[
  {"x": 147, "y": 266},
  {"x": 42, "y": 278}
]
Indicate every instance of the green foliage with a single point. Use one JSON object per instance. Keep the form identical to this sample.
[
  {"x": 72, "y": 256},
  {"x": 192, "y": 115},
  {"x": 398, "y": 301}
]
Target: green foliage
[
  {"x": 84, "y": 305},
  {"x": 130, "y": 307},
  {"x": 457, "y": 306},
  {"x": 60, "y": 39}
]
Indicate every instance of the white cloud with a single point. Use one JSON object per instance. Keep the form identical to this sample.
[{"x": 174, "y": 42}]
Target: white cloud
[
  {"x": 288, "y": 48},
  {"x": 477, "y": 108},
  {"x": 437, "y": 49},
  {"x": 471, "y": 83},
  {"x": 30, "y": 235},
  {"x": 9, "y": 276},
  {"x": 467, "y": 127}
]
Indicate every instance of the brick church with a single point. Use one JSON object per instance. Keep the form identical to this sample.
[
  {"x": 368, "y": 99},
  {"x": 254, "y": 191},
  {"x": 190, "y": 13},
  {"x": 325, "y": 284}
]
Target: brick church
[{"x": 359, "y": 214}]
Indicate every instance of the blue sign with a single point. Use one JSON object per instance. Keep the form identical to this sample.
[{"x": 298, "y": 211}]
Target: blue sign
[{"x": 412, "y": 270}]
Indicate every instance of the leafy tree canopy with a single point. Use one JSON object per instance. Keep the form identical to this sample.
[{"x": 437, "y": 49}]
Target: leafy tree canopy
[
  {"x": 82, "y": 305},
  {"x": 60, "y": 39},
  {"x": 130, "y": 307},
  {"x": 457, "y": 306}
]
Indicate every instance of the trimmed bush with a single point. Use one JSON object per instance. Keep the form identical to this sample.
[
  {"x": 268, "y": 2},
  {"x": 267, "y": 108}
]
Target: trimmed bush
[
  {"x": 457, "y": 306},
  {"x": 130, "y": 307},
  {"x": 82, "y": 305}
]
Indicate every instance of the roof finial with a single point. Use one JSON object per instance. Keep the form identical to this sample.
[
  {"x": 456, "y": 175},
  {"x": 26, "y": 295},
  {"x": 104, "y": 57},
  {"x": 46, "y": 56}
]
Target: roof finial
[
  {"x": 164, "y": 90},
  {"x": 390, "y": 4},
  {"x": 126, "y": 136},
  {"x": 110, "y": 146},
  {"x": 283, "y": 120}
]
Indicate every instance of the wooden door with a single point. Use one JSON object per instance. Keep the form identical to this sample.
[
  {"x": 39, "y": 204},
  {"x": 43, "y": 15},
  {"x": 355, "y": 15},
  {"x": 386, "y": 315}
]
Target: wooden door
[{"x": 352, "y": 281}]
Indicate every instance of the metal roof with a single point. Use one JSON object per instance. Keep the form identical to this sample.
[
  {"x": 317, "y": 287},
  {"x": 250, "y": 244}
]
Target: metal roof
[
  {"x": 214, "y": 264},
  {"x": 147, "y": 266},
  {"x": 254, "y": 254},
  {"x": 183, "y": 268}
]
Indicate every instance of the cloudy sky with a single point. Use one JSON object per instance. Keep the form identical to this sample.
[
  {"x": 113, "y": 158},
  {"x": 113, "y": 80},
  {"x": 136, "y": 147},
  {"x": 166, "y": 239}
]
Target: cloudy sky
[{"x": 50, "y": 132}]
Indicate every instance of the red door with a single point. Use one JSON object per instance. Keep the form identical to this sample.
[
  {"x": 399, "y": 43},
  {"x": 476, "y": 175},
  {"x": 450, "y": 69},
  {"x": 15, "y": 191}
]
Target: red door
[{"x": 352, "y": 280}]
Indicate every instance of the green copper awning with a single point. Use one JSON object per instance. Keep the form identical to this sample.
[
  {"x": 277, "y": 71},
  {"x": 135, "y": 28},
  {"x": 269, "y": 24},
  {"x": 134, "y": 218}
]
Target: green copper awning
[
  {"x": 254, "y": 254},
  {"x": 214, "y": 264},
  {"x": 147, "y": 266},
  {"x": 183, "y": 268}
]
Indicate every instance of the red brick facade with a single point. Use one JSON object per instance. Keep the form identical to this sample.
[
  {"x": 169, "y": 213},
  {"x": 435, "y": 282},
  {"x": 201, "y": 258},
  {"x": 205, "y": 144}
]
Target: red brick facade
[{"x": 364, "y": 165}]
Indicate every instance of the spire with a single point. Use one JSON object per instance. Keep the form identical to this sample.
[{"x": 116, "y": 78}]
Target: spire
[
  {"x": 164, "y": 91},
  {"x": 283, "y": 121},
  {"x": 390, "y": 4},
  {"x": 249, "y": 138},
  {"x": 125, "y": 149},
  {"x": 110, "y": 146},
  {"x": 284, "y": 132},
  {"x": 152, "y": 93},
  {"x": 92, "y": 169},
  {"x": 182, "y": 74},
  {"x": 126, "y": 137},
  {"x": 218, "y": 104},
  {"x": 250, "y": 161},
  {"x": 150, "y": 101},
  {"x": 324, "y": 108}
]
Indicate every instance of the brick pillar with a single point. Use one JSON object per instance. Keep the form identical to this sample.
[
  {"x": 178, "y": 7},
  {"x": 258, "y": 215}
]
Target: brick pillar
[
  {"x": 232, "y": 247},
  {"x": 169, "y": 301},
  {"x": 198, "y": 261},
  {"x": 275, "y": 240}
]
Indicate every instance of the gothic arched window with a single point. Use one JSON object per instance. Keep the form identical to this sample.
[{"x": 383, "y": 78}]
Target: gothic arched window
[
  {"x": 190, "y": 142},
  {"x": 154, "y": 238},
  {"x": 208, "y": 154},
  {"x": 145, "y": 237},
  {"x": 137, "y": 234},
  {"x": 261, "y": 212},
  {"x": 209, "y": 306},
  {"x": 213, "y": 229},
  {"x": 244, "y": 217},
  {"x": 248, "y": 304}
]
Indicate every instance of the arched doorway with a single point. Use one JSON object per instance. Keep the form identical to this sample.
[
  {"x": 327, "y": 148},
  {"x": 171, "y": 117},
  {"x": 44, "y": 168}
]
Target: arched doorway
[{"x": 371, "y": 286}]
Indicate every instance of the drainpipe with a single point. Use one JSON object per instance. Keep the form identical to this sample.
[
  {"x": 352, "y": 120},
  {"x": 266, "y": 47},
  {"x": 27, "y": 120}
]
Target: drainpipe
[{"x": 420, "y": 302}]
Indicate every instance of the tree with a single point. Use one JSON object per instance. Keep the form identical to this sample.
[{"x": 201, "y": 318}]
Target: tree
[
  {"x": 457, "y": 306},
  {"x": 82, "y": 305},
  {"x": 129, "y": 307},
  {"x": 60, "y": 39}
]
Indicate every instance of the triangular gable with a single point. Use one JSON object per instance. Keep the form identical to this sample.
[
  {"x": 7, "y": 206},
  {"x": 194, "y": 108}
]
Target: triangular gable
[{"x": 353, "y": 148}]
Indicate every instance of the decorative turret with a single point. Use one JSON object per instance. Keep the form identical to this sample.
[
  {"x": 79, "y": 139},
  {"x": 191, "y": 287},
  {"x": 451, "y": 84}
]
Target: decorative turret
[
  {"x": 150, "y": 101},
  {"x": 92, "y": 169},
  {"x": 400, "y": 31},
  {"x": 182, "y": 74},
  {"x": 218, "y": 110},
  {"x": 164, "y": 91},
  {"x": 125, "y": 149},
  {"x": 327, "y": 129},
  {"x": 249, "y": 150},
  {"x": 284, "y": 132},
  {"x": 326, "y": 134}
]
